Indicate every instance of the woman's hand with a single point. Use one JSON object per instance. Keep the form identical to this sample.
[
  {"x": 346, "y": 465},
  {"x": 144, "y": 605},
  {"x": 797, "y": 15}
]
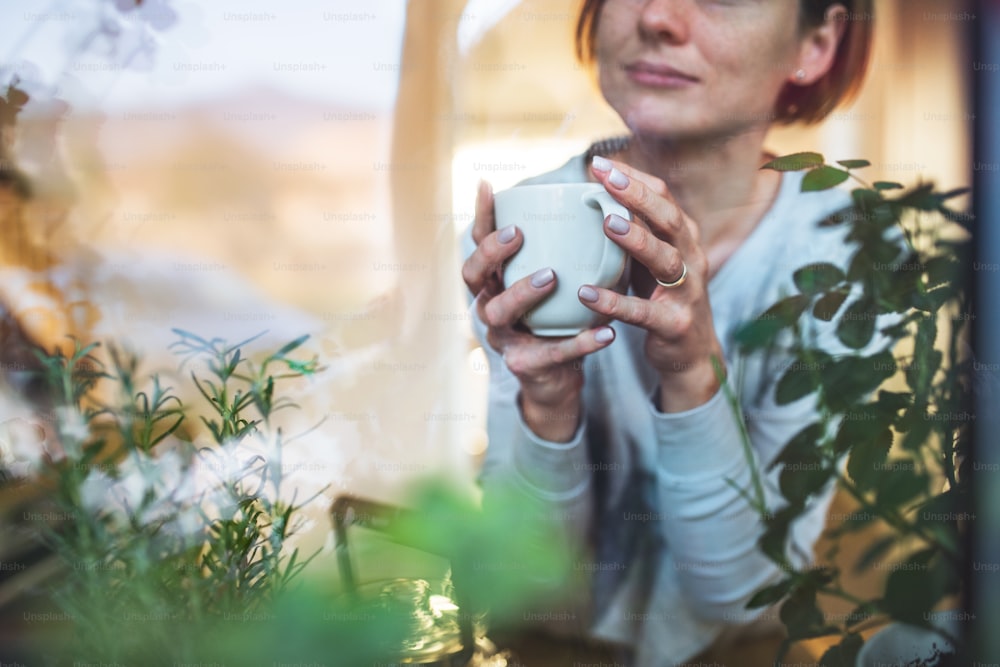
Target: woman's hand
[
  {"x": 681, "y": 339},
  {"x": 548, "y": 369}
]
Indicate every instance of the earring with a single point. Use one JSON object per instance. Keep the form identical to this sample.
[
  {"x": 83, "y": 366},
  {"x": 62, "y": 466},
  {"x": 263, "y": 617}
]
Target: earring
[{"x": 800, "y": 74}]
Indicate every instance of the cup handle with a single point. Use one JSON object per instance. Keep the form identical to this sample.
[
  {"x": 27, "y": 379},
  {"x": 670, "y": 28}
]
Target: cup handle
[{"x": 613, "y": 259}]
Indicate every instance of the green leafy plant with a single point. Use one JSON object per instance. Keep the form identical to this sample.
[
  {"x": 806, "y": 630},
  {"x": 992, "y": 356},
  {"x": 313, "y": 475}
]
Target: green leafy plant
[
  {"x": 162, "y": 530},
  {"x": 175, "y": 550},
  {"x": 903, "y": 294}
]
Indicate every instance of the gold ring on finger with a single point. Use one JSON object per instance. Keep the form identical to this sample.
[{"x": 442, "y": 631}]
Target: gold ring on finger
[{"x": 678, "y": 282}]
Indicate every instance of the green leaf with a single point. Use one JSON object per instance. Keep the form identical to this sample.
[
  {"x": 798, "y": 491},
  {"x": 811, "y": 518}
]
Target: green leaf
[
  {"x": 940, "y": 509},
  {"x": 242, "y": 343},
  {"x": 875, "y": 552},
  {"x": 917, "y": 585},
  {"x": 898, "y": 285},
  {"x": 798, "y": 381},
  {"x": 918, "y": 430},
  {"x": 818, "y": 277},
  {"x": 801, "y": 616},
  {"x": 957, "y": 192},
  {"x": 899, "y": 329},
  {"x": 795, "y": 162},
  {"x": 886, "y": 215},
  {"x": 801, "y": 479},
  {"x": 932, "y": 300},
  {"x": 901, "y": 483},
  {"x": 921, "y": 371},
  {"x": 857, "y": 325},
  {"x": 828, "y": 305},
  {"x": 820, "y": 576},
  {"x": 823, "y": 178},
  {"x": 921, "y": 197},
  {"x": 865, "y": 201},
  {"x": 231, "y": 366},
  {"x": 942, "y": 270},
  {"x": 860, "y": 426},
  {"x": 849, "y": 378},
  {"x": 772, "y": 540},
  {"x": 943, "y": 515},
  {"x": 188, "y": 335},
  {"x": 761, "y": 331},
  {"x": 887, "y": 185},
  {"x": 867, "y": 460},
  {"x": 862, "y": 265},
  {"x": 890, "y": 403},
  {"x": 883, "y": 253},
  {"x": 844, "y": 654},
  {"x": 854, "y": 164},
  {"x": 802, "y": 445},
  {"x": 770, "y": 594},
  {"x": 291, "y": 346},
  {"x": 168, "y": 432}
]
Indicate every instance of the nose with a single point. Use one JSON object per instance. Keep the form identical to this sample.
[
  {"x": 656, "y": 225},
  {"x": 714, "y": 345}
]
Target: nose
[{"x": 665, "y": 20}]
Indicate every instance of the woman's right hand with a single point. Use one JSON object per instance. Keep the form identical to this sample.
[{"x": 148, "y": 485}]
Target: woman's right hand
[{"x": 549, "y": 370}]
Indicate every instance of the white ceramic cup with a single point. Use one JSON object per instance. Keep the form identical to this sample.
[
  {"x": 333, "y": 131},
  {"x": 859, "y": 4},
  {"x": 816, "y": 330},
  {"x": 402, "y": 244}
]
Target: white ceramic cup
[{"x": 563, "y": 229}]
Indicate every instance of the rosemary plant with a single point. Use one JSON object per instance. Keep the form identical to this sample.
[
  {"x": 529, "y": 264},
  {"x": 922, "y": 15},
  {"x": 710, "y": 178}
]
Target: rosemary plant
[{"x": 167, "y": 536}]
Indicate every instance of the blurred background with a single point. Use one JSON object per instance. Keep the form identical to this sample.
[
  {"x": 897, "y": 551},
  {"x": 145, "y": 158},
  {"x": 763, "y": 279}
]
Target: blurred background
[{"x": 306, "y": 167}]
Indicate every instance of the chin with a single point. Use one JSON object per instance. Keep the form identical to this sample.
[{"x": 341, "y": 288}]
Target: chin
[
  {"x": 661, "y": 123},
  {"x": 672, "y": 122}
]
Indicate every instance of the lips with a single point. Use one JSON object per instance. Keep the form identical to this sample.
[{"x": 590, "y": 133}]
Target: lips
[{"x": 658, "y": 75}]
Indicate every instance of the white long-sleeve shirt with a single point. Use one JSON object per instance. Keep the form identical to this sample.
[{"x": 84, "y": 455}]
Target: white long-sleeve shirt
[{"x": 704, "y": 563}]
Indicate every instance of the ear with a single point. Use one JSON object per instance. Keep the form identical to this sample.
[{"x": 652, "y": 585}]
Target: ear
[{"x": 818, "y": 47}]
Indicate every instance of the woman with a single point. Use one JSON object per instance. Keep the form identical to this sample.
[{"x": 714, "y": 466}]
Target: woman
[{"x": 623, "y": 431}]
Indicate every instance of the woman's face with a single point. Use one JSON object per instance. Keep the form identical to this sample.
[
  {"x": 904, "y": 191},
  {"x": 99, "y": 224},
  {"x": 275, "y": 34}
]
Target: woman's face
[{"x": 696, "y": 68}]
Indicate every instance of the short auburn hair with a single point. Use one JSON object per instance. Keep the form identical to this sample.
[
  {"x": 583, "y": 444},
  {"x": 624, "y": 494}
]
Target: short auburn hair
[{"x": 795, "y": 104}]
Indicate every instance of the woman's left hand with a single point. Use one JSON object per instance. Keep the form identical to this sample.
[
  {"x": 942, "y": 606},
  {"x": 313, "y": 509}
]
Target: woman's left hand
[{"x": 681, "y": 341}]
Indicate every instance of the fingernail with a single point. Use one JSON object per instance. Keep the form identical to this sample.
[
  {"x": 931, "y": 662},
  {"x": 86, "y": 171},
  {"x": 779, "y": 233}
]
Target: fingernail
[
  {"x": 618, "y": 179},
  {"x": 588, "y": 293},
  {"x": 507, "y": 234},
  {"x": 605, "y": 335},
  {"x": 618, "y": 224},
  {"x": 542, "y": 278},
  {"x": 601, "y": 163}
]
